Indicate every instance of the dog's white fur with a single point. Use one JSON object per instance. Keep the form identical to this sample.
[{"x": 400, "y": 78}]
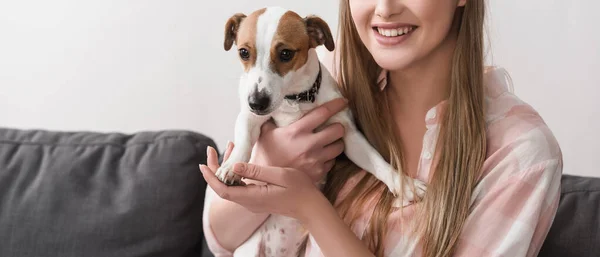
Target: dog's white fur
[{"x": 285, "y": 112}]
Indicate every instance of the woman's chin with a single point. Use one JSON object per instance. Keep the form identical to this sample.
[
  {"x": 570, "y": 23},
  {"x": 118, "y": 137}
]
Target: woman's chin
[{"x": 389, "y": 60}]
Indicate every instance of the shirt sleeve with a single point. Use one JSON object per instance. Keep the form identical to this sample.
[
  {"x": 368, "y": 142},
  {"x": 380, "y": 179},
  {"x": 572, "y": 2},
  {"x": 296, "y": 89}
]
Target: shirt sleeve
[
  {"x": 213, "y": 245},
  {"x": 512, "y": 216}
]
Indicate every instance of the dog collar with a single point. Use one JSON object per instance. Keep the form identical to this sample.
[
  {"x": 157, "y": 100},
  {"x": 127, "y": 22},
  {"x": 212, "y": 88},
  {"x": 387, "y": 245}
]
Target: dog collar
[{"x": 308, "y": 95}]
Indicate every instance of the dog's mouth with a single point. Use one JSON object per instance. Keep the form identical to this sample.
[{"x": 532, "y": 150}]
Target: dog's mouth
[{"x": 261, "y": 113}]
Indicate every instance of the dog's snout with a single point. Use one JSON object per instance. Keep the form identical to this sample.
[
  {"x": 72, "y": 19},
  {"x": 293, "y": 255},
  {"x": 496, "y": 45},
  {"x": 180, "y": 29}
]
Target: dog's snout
[
  {"x": 259, "y": 101},
  {"x": 259, "y": 104}
]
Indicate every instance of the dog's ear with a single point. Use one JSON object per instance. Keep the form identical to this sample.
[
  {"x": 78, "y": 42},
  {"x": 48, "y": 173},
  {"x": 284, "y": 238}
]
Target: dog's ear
[
  {"x": 231, "y": 29},
  {"x": 319, "y": 32}
]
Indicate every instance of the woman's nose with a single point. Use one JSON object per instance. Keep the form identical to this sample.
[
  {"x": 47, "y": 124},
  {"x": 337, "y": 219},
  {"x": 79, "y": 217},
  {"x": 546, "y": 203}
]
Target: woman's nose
[{"x": 384, "y": 8}]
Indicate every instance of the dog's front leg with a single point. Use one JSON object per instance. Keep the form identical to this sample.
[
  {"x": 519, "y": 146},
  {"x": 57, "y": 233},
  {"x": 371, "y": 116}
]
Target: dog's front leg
[
  {"x": 247, "y": 131},
  {"x": 364, "y": 155}
]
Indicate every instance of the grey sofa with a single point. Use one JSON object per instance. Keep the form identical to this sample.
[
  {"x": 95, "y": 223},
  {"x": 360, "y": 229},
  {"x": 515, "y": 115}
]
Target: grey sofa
[{"x": 94, "y": 194}]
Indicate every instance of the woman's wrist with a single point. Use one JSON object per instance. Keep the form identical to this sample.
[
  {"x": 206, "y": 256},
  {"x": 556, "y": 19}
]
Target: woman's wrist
[
  {"x": 331, "y": 233},
  {"x": 316, "y": 205}
]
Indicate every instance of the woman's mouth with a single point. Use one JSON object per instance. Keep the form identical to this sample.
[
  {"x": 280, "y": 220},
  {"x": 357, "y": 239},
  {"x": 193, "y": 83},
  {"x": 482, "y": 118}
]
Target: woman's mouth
[
  {"x": 395, "y": 32},
  {"x": 388, "y": 35}
]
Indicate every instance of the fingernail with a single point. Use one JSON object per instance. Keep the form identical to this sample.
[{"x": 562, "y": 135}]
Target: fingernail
[
  {"x": 201, "y": 167},
  {"x": 228, "y": 144},
  {"x": 208, "y": 151}
]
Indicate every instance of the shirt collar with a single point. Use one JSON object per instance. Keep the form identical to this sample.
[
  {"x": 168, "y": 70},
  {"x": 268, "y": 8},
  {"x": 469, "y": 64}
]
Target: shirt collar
[{"x": 382, "y": 79}]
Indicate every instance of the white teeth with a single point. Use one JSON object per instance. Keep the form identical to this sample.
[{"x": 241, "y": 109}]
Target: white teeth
[{"x": 394, "y": 32}]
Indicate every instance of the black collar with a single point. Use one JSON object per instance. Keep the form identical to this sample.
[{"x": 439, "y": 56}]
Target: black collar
[{"x": 308, "y": 95}]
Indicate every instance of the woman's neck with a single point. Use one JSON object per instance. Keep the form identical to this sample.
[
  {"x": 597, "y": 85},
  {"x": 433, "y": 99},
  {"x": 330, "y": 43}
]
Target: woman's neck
[
  {"x": 425, "y": 84},
  {"x": 412, "y": 93}
]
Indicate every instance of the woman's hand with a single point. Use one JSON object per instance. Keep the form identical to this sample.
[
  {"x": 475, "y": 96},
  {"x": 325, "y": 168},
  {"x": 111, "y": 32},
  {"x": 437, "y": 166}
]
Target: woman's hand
[
  {"x": 291, "y": 193},
  {"x": 287, "y": 191},
  {"x": 230, "y": 223},
  {"x": 300, "y": 145}
]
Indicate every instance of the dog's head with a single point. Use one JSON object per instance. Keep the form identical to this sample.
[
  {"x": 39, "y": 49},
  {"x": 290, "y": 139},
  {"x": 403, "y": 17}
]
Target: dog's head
[{"x": 273, "y": 46}]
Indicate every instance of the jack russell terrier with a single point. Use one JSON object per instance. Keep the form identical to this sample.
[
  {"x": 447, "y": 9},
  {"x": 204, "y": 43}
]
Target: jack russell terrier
[{"x": 283, "y": 79}]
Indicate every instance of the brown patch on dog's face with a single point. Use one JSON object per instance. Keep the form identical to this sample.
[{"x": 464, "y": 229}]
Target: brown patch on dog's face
[
  {"x": 245, "y": 39},
  {"x": 295, "y": 36},
  {"x": 289, "y": 48}
]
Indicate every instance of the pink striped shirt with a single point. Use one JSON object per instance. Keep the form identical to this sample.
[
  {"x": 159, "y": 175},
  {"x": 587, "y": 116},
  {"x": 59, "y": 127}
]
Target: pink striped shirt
[{"x": 516, "y": 197}]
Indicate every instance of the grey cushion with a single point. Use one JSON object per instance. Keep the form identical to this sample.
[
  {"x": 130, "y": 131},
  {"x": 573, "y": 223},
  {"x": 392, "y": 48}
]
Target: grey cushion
[
  {"x": 74, "y": 194},
  {"x": 576, "y": 228}
]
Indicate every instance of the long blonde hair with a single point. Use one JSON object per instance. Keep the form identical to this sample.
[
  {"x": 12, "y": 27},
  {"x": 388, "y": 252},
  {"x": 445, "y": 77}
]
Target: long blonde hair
[{"x": 462, "y": 138}]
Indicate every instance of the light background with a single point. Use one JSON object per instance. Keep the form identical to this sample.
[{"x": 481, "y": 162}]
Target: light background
[{"x": 130, "y": 65}]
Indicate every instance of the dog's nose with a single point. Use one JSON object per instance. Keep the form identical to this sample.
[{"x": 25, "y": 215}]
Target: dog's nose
[{"x": 259, "y": 102}]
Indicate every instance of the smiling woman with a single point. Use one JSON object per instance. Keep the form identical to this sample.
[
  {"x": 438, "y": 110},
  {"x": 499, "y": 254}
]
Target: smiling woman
[
  {"x": 437, "y": 67},
  {"x": 413, "y": 72},
  {"x": 115, "y": 61}
]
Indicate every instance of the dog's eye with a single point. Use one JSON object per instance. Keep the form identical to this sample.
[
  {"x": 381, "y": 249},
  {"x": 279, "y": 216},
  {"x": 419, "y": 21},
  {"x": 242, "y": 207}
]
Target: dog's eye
[
  {"x": 286, "y": 55},
  {"x": 244, "y": 54}
]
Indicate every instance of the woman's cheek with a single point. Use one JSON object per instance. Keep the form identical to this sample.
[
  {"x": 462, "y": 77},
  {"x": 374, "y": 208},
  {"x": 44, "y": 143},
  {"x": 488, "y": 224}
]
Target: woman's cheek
[{"x": 361, "y": 11}]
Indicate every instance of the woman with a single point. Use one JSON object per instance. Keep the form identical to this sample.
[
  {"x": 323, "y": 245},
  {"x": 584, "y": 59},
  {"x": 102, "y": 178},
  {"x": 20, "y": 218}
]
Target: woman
[{"x": 426, "y": 102}]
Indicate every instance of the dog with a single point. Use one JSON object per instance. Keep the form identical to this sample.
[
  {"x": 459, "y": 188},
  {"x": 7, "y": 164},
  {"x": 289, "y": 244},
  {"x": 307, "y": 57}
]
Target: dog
[{"x": 283, "y": 79}]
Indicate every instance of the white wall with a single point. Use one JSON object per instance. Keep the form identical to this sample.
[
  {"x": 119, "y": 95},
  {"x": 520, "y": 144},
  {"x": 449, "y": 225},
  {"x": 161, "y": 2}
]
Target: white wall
[
  {"x": 124, "y": 65},
  {"x": 552, "y": 52},
  {"x": 146, "y": 65}
]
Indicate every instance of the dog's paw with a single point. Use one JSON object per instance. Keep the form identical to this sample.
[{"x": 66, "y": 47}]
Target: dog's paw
[
  {"x": 420, "y": 187},
  {"x": 394, "y": 184},
  {"x": 226, "y": 175},
  {"x": 408, "y": 195}
]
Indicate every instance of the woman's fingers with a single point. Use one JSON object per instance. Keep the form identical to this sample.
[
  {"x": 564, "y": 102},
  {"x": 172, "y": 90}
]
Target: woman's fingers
[
  {"x": 234, "y": 193},
  {"x": 213, "y": 181},
  {"x": 271, "y": 175},
  {"x": 228, "y": 150},
  {"x": 212, "y": 159},
  {"x": 267, "y": 127},
  {"x": 333, "y": 150},
  {"x": 319, "y": 115},
  {"x": 249, "y": 196},
  {"x": 329, "y": 134},
  {"x": 329, "y": 165}
]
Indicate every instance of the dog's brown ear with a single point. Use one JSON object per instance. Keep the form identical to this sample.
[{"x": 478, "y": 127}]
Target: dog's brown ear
[
  {"x": 231, "y": 29},
  {"x": 319, "y": 32}
]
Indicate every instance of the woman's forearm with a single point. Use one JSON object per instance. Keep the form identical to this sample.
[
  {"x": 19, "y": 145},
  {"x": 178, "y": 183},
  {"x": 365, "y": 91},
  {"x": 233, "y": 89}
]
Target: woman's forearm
[
  {"x": 332, "y": 235},
  {"x": 232, "y": 224}
]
